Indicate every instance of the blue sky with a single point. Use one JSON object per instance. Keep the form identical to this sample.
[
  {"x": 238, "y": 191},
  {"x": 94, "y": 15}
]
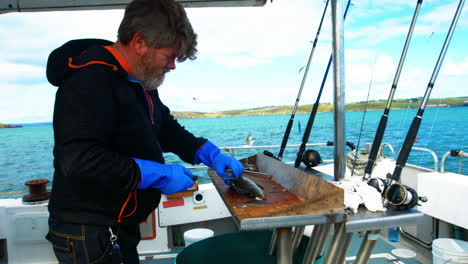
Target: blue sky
[{"x": 250, "y": 57}]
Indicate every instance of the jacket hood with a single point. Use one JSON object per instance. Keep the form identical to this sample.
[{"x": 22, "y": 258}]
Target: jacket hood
[{"x": 58, "y": 62}]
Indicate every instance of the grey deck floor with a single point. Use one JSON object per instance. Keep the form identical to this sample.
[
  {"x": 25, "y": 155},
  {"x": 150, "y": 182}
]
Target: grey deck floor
[{"x": 382, "y": 253}]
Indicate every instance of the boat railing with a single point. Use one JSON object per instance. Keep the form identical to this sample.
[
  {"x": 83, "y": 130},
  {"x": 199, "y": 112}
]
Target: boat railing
[
  {"x": 232, "y": 151},
  {"x": 453, "y": 153},
  {"x": 433, "y": 154},
  {"x": 392, "y": 150}
]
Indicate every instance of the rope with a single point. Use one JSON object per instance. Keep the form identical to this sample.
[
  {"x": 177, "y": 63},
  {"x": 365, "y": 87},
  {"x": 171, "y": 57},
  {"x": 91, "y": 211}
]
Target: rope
[
  {"x": 357, "y": 162},
  {"x": 6, "y": 193}
]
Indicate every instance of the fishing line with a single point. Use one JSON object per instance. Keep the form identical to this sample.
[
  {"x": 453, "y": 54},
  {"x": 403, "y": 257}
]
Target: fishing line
[
  {"x": 414, "y": 128},
  {"x": 306, "y": 71},
  {"x": 313, "y": 112},
  {"x": 400, "y": 131},
  {"x": 429, "y": 134},
  {"x": 396, "y": 193},
  {"x": 384, "y": 119},
  {"x": 356, "y": 152}
]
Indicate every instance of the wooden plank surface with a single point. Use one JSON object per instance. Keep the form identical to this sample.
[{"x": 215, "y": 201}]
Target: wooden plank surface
[
  {"x": 304, "y": 193},
  {"x": 243, "y": 206},
  {"x": 187, "y": 193}
]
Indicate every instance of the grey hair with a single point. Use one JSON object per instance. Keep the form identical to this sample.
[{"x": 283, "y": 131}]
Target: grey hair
[{"x": 162, "y": 24}]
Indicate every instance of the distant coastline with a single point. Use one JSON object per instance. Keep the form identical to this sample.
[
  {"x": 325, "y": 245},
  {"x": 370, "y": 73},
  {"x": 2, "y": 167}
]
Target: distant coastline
[
  {"x": 9, "y": 126},
  {"x": 326, "y": 107}
]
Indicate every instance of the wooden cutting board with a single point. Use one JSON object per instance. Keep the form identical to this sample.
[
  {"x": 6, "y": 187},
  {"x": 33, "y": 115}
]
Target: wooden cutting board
[{"x": 307, "y": 194}]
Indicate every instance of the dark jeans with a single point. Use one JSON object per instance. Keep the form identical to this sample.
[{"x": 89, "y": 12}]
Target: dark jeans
[{"x": 77, "y": 244}]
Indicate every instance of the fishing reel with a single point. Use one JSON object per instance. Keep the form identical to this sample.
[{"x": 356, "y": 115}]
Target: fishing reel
[
  {"x": 401, "y": 197},
  {"x": 396, "y": 195},
  {"x": 379, "y": 184},
  {"x": 311, "y": 158}
]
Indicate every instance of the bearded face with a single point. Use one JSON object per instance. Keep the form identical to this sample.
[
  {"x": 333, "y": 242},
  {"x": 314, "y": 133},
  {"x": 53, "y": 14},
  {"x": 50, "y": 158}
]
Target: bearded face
[{"x": 149, "y": 73}]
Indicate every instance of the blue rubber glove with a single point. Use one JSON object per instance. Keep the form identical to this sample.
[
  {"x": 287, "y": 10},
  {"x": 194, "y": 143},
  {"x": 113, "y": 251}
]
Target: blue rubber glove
[
  {"x": 211, "y": 156},
  {"x": 169, "y": 178}
]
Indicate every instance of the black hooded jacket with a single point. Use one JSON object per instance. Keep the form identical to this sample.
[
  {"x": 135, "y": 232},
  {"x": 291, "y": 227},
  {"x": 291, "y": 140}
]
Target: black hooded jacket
[{"x": 103, "y": 118}]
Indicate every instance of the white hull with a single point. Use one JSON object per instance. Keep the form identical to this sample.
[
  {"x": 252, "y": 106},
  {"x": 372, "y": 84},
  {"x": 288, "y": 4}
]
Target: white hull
[{"x": 24, "y": 226}]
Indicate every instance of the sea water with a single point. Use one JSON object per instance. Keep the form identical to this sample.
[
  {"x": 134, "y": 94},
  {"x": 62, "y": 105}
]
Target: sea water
[{"x": 26, "y": 153}]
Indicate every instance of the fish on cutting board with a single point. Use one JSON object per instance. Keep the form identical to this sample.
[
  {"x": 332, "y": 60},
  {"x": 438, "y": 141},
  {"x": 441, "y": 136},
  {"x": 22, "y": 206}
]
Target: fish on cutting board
[{"x": 244, "y": 185}]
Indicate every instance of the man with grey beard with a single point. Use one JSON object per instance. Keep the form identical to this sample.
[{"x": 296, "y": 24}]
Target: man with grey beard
[{"x": 111, "y": 129}]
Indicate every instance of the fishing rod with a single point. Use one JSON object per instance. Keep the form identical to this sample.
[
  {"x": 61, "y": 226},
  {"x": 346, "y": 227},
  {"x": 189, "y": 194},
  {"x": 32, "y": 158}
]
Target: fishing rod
[
  {"x": 299, "y": 230},
  {"x": 397, "y": 194},
  {"x": 313, "y": 113},
  {"x": 291, "y": 119},
  {"x": 383, "y": 120}
]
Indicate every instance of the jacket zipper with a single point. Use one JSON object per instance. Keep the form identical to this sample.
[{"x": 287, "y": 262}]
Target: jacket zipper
[
  {"x": 151, "y": 106},
  {"x": 149, "y": 100}
]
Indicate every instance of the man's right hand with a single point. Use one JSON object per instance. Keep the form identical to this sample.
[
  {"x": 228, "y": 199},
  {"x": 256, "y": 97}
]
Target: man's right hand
[{"x": 169, "y": 178}]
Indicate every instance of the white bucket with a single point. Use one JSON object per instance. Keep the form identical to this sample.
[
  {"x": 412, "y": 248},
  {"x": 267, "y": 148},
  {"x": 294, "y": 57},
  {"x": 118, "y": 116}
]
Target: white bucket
[
  {"x": 449, "y": 251},
  {"x": 193, "y": 235}
]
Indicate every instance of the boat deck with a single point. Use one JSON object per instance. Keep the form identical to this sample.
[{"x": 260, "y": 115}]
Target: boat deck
[{"x": 382, "y": 253}]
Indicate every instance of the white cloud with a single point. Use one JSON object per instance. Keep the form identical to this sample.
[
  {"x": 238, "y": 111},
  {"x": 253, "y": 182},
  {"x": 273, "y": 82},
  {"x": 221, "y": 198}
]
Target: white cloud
[
  {"x": 442, "y": 14},
  {"x": 249, "y": 30},
  {"x": 26, "y": 103},
  {"x": 228, "y": 94},
  {"x": 378, "y": 4},
  {"x": 38, "y": 33},
  {"x": 456, "y": 69},
  {"x": 417, "y": 73},
  {"x": 384, "y": 69},
  {"x": 251, "y": 56},
  {"x": 391, "y": 28},
  {"x": 434, "y": 18},
  {"x": 19, "y": 71},
  {"x": 240, "y": 61},
  {"x": 381, "y": 70},
  {"x": 360, "y": 55}
]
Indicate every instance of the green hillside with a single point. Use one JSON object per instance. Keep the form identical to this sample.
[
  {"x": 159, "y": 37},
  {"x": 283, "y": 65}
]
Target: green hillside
[
  {"x": 8, "y": 126},
  {"x": 357, "y": 106}
]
